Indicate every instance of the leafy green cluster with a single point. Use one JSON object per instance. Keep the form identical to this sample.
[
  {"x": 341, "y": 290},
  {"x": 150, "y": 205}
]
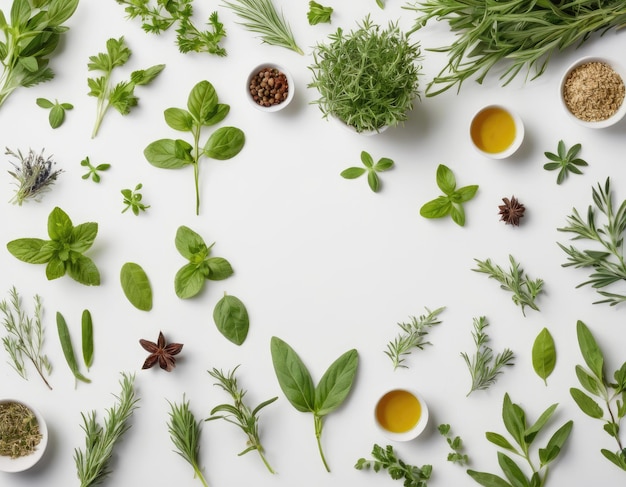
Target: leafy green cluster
[
  {"x": 612, "y": 394},
  {"x": 190, "y": 278},
  {"x": 456, "y": 445},
  {"x": 367, "y": 78},
  {"x": 92, "y": 171},
  {"x": 318, "y": 14},
  {"x": 63, "y": 253},
  {"x": 524, "y": 435},
  {"x": 160, "y": 16},
  {"x": 56, "y": 117},
  {"x": 371, "y": 168},
  {"x": 297, "y": 385},
  {"x": 524, "y": 290},
  {"x": 133, "y": 200},
  {"x": 386, "y": 459},
  {"x": 203, "y": 110},
  {"x": 122, "y": 95},
  {"x": 451, "y": 202},
  {"x": 607, "y": 259},
  {"x": 565, "y": 161},
  {"x": 32, "y": 35}
]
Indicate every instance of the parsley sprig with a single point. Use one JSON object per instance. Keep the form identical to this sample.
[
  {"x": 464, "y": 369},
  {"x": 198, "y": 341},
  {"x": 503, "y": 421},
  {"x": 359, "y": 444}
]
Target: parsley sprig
[{"x": 386, "y": 459}]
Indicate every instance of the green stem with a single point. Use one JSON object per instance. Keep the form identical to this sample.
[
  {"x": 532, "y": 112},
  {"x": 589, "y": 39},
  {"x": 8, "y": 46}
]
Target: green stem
[
  {"x": 318, "y": 435},
  {"x": 198, "y": 474},
  {"x": 102, "y": 107},
  {"x": 196, "y": 166},
  {"x": 269, "y": 467}
]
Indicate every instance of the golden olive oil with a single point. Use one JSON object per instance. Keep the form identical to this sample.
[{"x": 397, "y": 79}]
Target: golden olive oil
[
  {"x": 398, "y": 411},
  {"x": 493, "y": 130}
]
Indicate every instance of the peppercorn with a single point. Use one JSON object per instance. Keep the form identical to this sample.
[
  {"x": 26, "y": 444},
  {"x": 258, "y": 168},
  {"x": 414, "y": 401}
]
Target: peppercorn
[{"x": 269, "y": 87}]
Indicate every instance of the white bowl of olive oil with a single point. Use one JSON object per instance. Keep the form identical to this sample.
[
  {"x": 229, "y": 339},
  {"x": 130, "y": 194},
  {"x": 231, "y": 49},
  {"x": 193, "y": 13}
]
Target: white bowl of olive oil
[
  {"x": 23, "y": 436},
  {"x": 401, "y": 414},
  {"x": 496, "y": 131}
]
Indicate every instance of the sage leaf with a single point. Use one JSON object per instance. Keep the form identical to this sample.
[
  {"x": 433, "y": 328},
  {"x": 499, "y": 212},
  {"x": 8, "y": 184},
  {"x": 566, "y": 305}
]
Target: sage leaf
[
  {"x": 293, "y": 377},
  {"x": 590, "y": 350},
  {"x": 488, "y": 479},
  {"x": 87, "y": 338},
  {"x": 499, "y": 440},
  {"x": 336, "y": 383},
  {"x": 588, "y": 381},
  {"x": 530, "y": 433},
  {"x": 68, "y": 349},
  {"x": 225, "y": 143},
  {"x": 514, "y": 419},
  {"x": 512, "y": 471},
  {"x": 231, "y": 318},
  {"x": 555, "y": 443},
  {"x": 586, "y": 404},
  {"x": 136, "y": 286},
  {"x": 544, "y": 355}
]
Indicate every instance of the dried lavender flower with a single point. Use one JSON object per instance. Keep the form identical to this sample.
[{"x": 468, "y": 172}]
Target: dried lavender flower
[{"x": 34, "y": 175}]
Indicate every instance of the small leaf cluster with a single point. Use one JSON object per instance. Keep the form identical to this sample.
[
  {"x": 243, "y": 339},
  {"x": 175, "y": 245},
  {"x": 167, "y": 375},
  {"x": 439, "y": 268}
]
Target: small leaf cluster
[
  {"x": 297, "y": 384},
  {"x": 386, "y": 459},
  {"x": 93, "y": 170},
  {"x": 56, "y": 117},
  {"x": 565, "y": 161},
  {"x": 133, "y": 200},
  {"x": 190, "y": 278},
  {"x": 600, "y": 389},
  {"x": 524, "y": 435},
  {"x": 370, "y": 168},
  {"x": 120, "y": 96},
  {"x": 451, "y": 202},
  {"x": 64, "y": 252},
  {"x": 456, "y": 445},
  {"x": 318, "y": 14}
]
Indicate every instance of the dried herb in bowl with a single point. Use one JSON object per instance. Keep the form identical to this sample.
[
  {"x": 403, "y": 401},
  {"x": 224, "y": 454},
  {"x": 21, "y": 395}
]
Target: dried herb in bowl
[{"x": 19, "y": 430}]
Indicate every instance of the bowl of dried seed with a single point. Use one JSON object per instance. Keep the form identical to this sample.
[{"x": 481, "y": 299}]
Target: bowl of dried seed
[
  {"x": 270, "y": 87},
  {"x": 23, "y": 436},
  {"x": 592, "y": 92}
]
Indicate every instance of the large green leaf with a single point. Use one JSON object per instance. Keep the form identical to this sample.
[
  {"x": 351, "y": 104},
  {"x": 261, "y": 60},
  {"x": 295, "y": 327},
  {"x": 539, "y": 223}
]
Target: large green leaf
[
  {"x": 231, "y": 318},
  {"x": 136, "y": 286},
  {"x": 189, "y": 281},
  {"x": 586, "y": 403},
  {"x": 59, "y": 225},
  {"x": 511, "y": 470},
  {"x": 336, "y": 383},
  {"x": 225, "y": 143},
  {"x": 590, "y": 350},
  {"x": 83, "y": 236},
  {"x": 219, "y": 268},
  {"x": 202, "y": 101},
  {"x": 61, "y": 10},
  {"x": 30, "y": 250},
  {"x": 169, "y": 153},
  {"x": 293, "y": 377},
  {"x": 446, "y": 180},
  {"x": 179, "y": 119},
  {"x": 514, "y": 419},
  {"x": 83, "y": 270},
  {"x": 190, "y": 244},
  {"x": 488, "y": 479}
]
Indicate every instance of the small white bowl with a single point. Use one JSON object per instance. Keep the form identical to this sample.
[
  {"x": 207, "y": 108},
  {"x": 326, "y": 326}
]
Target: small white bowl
[
  {"x": 8, "y": 464},
  {"x": 617, "y": 116},
  {"x": 393, "y": 410},
  {"x": 290, "y": 90},
  {"x": 480, "y": 138}
]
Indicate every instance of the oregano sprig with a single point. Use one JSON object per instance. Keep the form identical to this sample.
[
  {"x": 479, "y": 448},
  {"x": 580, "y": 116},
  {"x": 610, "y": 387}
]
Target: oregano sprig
[
  {"x": 386, "y": 459},
  {"x": 133, "y": 200},
  {"x": 456, "y": 445}
]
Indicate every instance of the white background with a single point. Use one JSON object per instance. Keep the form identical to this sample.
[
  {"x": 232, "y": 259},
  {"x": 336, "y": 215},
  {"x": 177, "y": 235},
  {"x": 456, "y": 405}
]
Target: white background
[{"x": 320, "y": 261}]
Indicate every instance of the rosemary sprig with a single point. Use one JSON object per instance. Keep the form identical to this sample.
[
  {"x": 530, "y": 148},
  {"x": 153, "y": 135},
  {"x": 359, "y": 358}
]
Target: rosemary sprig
[
  {"x": 607, "y": 262},
  {"x": 239, "y": 413},
  {"x": 25, "y": 336},
  {"x": 185, "y": 434},
  {"x": 261, "y": 16},
  {"x": 483, "y": 368},
  {"x": 33, "y": 173},
  {"x": 524, "y": 290},
  {"x": 412, "y": 336},
  {"x": 92, "y": 463}
]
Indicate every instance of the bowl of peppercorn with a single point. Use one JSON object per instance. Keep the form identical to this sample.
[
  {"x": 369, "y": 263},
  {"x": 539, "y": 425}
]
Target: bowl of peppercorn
[
  {"x": 23, "y": 436},
  {"x": 592, "y": 92},
  {"x": 270, "y": 87}
]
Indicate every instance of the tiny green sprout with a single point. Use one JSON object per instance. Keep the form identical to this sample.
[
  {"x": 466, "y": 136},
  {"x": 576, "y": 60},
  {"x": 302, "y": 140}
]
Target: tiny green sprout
[
  {"x": 132, "y": 200},
  {"x": 370, "y": 168},
  {"x": 57, "y": 111},
  {"x": 93, "y": 170}
]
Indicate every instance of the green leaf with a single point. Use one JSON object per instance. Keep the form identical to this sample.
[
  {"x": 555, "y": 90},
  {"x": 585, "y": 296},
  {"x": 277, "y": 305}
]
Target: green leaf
[
  {"x": 44, "y": 103},
  {"x": 373, "y": 181},
  {"x": 367, "y": 159},
  {"x": 67, "y": 347},
  {"x": 61, "y": 10},
  {"x": 225, "y": 143},
  {"x": 59, "y": 225},
  {"x": 82, "y": 269},
  {"x": 55, "y": 268},
  {"x": 445, "y": 179},
  {"x": 189, "y": 281},
  {"x": 532, "y": 431},
  {"x": 189, "y": 243},
  {"x": 514, "y": 419},
  {"x": 179, "y": 119},
  {"x": 219, "y": 114},
  {"x": 30, "y": 250},
  {"x": 202, "y": 101},
  {"x": 590, "y": 350},
  {"x": 555, "y": 444},
  {"x": 145, "y": 76},
  {"x": 437, "y": 208},
  {"x": 466, "y": 193},
  {"x": 56, "y": 116},
  {"x": 136, "y": 286},
  {"x": 588, "y": 381},
  {"x": 87, "y": 338},
  {"x": 83, "y": 236},
  {"x": 219, "y": 268},
  {"x": 169, "y": 153},
  {"x": 499, "y": 440},
  {"x": 293, "y": 377},
  {"x": 20, "y": 12},
  {"x": 231, "y": 318},
  {"x": 488, "y": 479},
  {"x": 512, "y": 471},
  {"x": 544, "y": 354},
  {"x": 458, "y": 214},
  {"x": 586, "y": 403},
  {"x": 335, "y": 384},
  {"x": 383, "y": 164},
  {"x": 353, "y": 172}
]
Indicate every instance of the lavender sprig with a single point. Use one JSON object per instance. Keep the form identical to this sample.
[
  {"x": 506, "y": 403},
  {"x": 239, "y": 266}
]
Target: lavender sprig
[{"x": 34, "y": 174}]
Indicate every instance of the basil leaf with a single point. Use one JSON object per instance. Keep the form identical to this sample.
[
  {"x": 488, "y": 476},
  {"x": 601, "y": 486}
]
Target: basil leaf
[
  {"x": 466, "y": 193},
  {"x": 219, "y": 268},
  {"x": 56, "y": 116},
  {"x": 29, "y": 250},
  {"x": 179, "y": 119},
  {"x": 293, "y": 377},
  {"x": 188, "y": 281},
  {"x": 83, "y": 236},
  {"x": 202, "y": 101},
  {"x": 352, "y": 172},
  {"x": 225, "y": 143},
  {"x": 367, "y": 159},
  {"x": 219, "y": 114},
  {"x": 87, "y": 338},
  {"x": 437, "y": 208},
  {"x": 445, "y": 179},
  {"x": 512, "y": 471},
  {"x": 373, "y": 181},
  {"x": 336, "y": 383},
  {"x": 488, "y": 479},
  {"x": 189, "y": 243},
  {"x": 590, "y": 351},
  {"x": 586, "y": 404},
  {"x": 168, "y": 153},
  {"x": 59, "y": 225},
  {"x": 457, "y": 213},
  {"x": 231, "y": 318},
  {"x": 544, "y": 355},
  {"x": 55, "y": 269},
  {"x": 136, "y": 286},
  {"x": 83, "y": 270}
]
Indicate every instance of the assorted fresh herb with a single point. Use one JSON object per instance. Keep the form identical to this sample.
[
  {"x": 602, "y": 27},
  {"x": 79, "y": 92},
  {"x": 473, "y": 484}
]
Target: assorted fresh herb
[
  {"x": 158, "y": 16},
  {"x": 565, "y": 161},
  {"x": 120, "y": 96},
  {"x": 413, "y": 336},
  {"x": 523, "y": 434},
  {"x": 68, "y": 349},
  {"x": 87, "y": 338},
  {"x": 93, "y": 463},
  {"x": 19, "y": 430},
  {"x": 318, "y": 14},
  {"x": 261, "y": 17},
  {"x": 599, "y": 388},
  {"x": 185, "y": 433},
  {"x": 25, "y": 336},
  {"x": 93, "y": 170},
  {"x": 524, "y": 290},
  {"x": 608, "y": 262},
  {"x": 56, "y": 117},
  {"x": 544, "y": 355},
  {"x": 133, "y": 200},
  {"x": 231, "y": 318},
  {"x": 297, "y": 384},
  {"x": 239, "y": 413},
  {"x": 371, "y": 168},
  {"x": 63, "y": 253},
  {"x": 33, "y": 174},
  {"x": 190, "y": 278},
  {"x": 203, "y": 110},
  {"x": 483, "y": 367},
  {"x": 136, "y": 286},
  {"x": 456, "y": 445},
  {"x": 451, "y": 202},
  {"x": 386, "y": 459},
  {"x": 32, "y": 35},
  {"x": 161, "y": 353}
]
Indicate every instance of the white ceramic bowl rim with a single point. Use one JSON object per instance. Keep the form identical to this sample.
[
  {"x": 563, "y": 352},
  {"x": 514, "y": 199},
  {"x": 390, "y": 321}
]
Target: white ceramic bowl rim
[
  {"x": 20, "y": 464},
  {"x": 413, "y": 432},
  {"x": 519, "y": 132},
  {"x": 290, "y": 81}
]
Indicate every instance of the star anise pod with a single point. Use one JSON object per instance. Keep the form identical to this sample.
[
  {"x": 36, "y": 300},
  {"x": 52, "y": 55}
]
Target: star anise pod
[
  {"x": 511, "y": 211},
  {"x": 161, "y": 353}
]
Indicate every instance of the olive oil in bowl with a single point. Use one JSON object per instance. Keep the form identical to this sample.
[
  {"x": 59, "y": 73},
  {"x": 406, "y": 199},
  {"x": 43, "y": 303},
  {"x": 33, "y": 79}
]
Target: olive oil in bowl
[
  {"x": 496, "y": 132},
  {"x": 401, "y": 414}
]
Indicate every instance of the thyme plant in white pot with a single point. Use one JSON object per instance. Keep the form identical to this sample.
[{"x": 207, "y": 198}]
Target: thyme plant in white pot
[{"x": 367, "y": 78}]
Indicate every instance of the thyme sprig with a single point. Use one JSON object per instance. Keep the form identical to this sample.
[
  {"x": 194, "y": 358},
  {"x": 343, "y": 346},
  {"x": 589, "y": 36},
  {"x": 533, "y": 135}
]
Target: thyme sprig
[
  {"x": 607, "y": 259},
  {"x": 33, "y": 173},
  {"x": 239, "y": 413},
  {"x": 25, "y": 336}
]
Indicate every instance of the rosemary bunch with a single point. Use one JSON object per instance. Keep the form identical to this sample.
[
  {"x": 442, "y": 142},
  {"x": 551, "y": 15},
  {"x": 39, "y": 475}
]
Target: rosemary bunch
[
  {"x": 92, "y": 463},
  {"x": 33, "y": 173},
  {"x": 607, "y": 259},
  {"x": 523, "y": 33},
  {"x": 185, "y": 434},
  {"x": 239, "y": 413},
  {"x": 261, "y": 16},
  {"x": 25, "y": 336}
]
